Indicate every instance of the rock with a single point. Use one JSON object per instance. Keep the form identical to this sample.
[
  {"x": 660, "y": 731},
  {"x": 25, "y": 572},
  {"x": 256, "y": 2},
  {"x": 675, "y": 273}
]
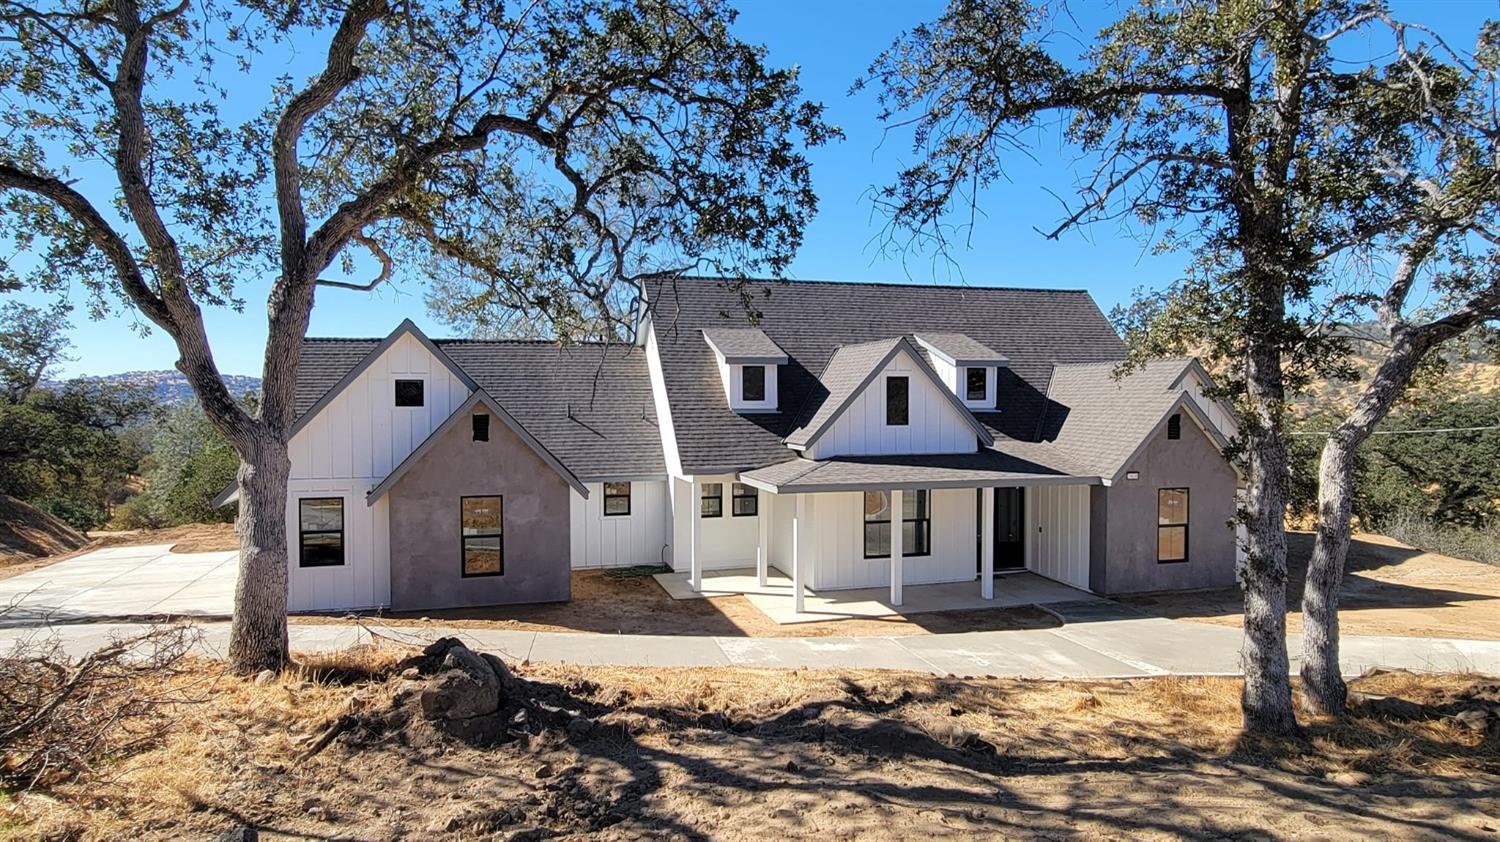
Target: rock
[
  {"x": 411, "y": 673},
  {"x": 265, "y": 677},
  {"x": 544, "y": 770},
  {"x": 243, "y": 833},
  {"x": 527, "y": 834},
  {"x": 791, "y": 766},
  {"x": 580, "y": 727},
  {"x": 1475, "y": 719},
  {"x": 1390, "y": 707},
  {"x": 467, "y": 687}
]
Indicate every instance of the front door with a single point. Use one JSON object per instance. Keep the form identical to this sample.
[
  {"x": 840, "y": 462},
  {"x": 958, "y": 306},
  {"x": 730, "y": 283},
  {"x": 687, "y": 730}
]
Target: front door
[{"x": 1010, "y": 529}]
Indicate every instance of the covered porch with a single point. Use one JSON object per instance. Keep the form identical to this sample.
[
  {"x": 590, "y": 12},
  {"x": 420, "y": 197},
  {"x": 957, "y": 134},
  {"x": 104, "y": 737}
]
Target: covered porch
[
  {"x": 774, "y": 597},
  {"x": 858, "y": 536}
]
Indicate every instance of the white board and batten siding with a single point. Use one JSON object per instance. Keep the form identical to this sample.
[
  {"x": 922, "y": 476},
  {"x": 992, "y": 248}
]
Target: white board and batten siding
[
  {"x": 642, "y": 537},
  {"x": 1057, "y": 519},
  {"x": 837, "y": 527},
  {"x": 934, "y": 425},
  {"x": 345, "y": 450}
]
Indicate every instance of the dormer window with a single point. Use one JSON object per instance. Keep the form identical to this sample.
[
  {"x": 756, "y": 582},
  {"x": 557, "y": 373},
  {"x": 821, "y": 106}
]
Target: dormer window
[
  {"x": 753, "y": 384},
  {"x": 976, "y": 384},
  {"x": 748, "y": 361}
]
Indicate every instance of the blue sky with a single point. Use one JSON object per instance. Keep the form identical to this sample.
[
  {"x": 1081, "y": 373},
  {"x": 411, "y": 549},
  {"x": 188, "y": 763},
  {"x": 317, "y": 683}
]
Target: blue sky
[{"x": 832, "y": 41}]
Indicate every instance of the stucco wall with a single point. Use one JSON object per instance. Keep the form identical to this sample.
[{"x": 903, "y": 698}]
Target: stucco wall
[
  {"x": 1191, "y": 462},
  {"x": 426, "y": 550}
]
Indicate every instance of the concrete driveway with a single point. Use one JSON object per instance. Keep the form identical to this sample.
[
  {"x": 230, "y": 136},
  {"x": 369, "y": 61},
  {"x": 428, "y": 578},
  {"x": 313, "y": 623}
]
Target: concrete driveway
[{"x": 120, "y": 582}]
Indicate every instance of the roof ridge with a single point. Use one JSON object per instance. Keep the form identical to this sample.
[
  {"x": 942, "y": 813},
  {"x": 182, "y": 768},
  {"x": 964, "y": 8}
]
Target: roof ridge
[{"x": 850, "y": 283}]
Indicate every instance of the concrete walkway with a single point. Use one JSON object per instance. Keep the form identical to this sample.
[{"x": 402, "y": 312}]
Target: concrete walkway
[
  {"x": 1121, "y": 646},
  {"x": 122, "y": 582}
]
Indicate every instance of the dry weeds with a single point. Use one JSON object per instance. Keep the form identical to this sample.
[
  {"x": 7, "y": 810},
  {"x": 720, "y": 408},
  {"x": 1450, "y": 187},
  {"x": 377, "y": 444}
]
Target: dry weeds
[{"x": 737, "y": 753}]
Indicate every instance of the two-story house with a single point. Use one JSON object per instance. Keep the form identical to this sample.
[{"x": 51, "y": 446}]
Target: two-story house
[{"x": 850, "y": 435}]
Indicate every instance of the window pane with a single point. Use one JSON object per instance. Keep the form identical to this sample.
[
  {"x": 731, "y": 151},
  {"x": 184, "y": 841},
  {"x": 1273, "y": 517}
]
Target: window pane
[
  {"x": 481, "y": 428},
  {"x": 712, "y": 504},
  {"x": 322, "y": 549},
  {"x": 913, "y": 505},
  {"x": 481, "y": 556},
  {"x": 408, "y": 393},
  {"x": 896, "y": 401},
  {"x": 1171, "y": 543},
  {"x": 877, "y": 540},
  {"x": 616, "y": 505},
  {"x": 753, "y": 383},
  {"x": 1171, "y": 506},
  {"x": 324, "y": 513},
  {"x": 877, "y": 506},
  {"x": 1174, "y": 427},
  {"x": 746, "y": 500},
  {"x": 976, "y": 383},
  {"x": 481, "y": 515},
  {"x": 617, "y": 489},
  {"x": 915, "y": 537}
]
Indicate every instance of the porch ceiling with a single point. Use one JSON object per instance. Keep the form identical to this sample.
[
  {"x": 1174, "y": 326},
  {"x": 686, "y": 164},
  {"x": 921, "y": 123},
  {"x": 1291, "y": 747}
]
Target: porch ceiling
[{"x": 938, "y": 470}]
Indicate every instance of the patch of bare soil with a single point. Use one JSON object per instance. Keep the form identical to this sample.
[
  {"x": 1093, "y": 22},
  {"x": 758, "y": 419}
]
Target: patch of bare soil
[
  {"x": 638, "y": 605},
  {"x": 1389, "y": 589},
  {"x": 28, "y": 534},
  {"x": 598, "y": 753},
  {"x": 188, "y": 538}
]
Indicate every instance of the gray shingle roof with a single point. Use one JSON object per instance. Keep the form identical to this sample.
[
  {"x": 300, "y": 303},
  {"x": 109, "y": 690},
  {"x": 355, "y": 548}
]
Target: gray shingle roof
[
  {"x": 1096, "y": 422},
  {"x": 848, "y": 371},
  {"x": 590, "y": 407},
  {"x": 1034, "y": 328},
  {"x": 944, "y": 470},
  {"x": 747, "y": 345},
  {"x": 960, "y": 349}
]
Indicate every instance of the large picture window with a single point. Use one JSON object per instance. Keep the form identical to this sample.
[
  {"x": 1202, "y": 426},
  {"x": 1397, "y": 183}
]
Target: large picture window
[
  {"x": 616, "y": 499},
  {"x": 746, "y": 500},
  {"x": 897, "y": 399},
  {"x": 483, "y": 535},
  {"x": 916, "y": 524},
  {"x": 320, "y": 532},
  {"x": 753, "y": 383},
  {"x": 712, "y": 504},
  {"x": 1171, "y": 525}
]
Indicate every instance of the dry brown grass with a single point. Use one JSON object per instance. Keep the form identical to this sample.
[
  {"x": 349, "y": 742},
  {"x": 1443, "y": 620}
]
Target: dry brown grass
[
  {"x": 768, "y": 754},
  {"x": 187, "y": 538}
]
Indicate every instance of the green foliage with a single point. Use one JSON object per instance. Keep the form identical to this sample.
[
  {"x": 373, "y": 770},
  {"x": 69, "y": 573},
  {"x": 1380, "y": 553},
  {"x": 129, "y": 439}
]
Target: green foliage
[
  {"x": 190, "y": 463},
  {"x": 1450, "y": 478}
]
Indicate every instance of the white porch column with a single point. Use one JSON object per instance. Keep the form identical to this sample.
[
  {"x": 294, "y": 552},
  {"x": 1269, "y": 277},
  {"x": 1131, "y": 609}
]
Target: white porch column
[
  {"x": 987, "y": 545},
  {"x": 695, "y": 547},
  {"x": 799, "y": 515},
  {"x": 763, "y": 549},
  {"x": 897, "y": 524}
]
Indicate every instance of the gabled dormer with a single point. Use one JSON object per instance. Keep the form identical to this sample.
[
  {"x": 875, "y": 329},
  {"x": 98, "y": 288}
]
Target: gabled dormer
[
  {"x": 968, "y": 368},
  {"x": 748, "y": 365}
]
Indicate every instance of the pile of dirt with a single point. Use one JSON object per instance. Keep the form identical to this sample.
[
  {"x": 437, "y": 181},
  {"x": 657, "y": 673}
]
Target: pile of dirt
[
  {"x": 27, "y": 532},
  {"x": 186, "y": 538}
]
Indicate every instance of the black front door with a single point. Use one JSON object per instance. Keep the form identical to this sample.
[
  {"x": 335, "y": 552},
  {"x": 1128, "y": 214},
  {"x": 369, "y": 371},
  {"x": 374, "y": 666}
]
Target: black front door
[{"x": 1010, "y": 528}]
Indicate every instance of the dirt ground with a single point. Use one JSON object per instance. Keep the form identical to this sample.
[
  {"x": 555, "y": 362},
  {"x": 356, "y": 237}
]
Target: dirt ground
[
  {"x": 1389, "y": 589},
  {"x": 638, "y": 605},
  {"x": 754, "y": 754}
]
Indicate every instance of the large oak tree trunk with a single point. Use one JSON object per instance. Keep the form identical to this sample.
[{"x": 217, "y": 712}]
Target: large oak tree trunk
[
  {"x": 1266, "y": 700},
  {"x": 258, "y": 636}
]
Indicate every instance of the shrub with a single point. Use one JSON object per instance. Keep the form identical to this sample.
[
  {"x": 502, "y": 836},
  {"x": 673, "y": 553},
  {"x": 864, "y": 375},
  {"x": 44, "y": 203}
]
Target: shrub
[{"x": 1480, "y": 544}]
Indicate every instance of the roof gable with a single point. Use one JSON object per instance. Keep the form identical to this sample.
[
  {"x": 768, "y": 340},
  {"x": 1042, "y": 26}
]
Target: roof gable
[
  {"x": 851, "y": 371},
  {"x": 479, "y": 398}
]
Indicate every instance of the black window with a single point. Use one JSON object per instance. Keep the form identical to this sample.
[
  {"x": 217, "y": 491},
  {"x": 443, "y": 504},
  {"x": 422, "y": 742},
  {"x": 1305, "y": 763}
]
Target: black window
[
  {"x": 976, "y": 383},
  {"x": 481, "y": 428},
  {"x": 408, "y": 393},
  {"x": 483, "y": 536},
  {"x": 1174, "y": 427},
  {"x": 753, "y": 383},
  {"x": 916, "y": 524},
  {"x": 746, "y": 500},
  {"x": 712, "y": 504},
  {"x": 1171, "y": 525},
  {"x": 616, "y": 499},
  {"x": 320, "y": 531},
  {"x": 896, "y": 401}
]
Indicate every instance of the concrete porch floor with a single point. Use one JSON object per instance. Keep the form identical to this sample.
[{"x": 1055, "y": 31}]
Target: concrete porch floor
[{"x": 775, "y": 599}]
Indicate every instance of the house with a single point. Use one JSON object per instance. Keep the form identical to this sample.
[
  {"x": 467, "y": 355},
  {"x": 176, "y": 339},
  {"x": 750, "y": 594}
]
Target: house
[{"x": 851, "y": 435}]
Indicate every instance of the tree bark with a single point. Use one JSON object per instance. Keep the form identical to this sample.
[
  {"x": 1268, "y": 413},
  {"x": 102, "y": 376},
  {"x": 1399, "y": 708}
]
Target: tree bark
[
  {"x": 258, "y": 635},
  {"x": 1323, "y": 687}
]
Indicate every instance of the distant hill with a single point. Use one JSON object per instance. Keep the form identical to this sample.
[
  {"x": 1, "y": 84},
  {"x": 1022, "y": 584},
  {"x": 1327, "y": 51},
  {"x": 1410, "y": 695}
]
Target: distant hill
[{"x": 171, "y": 387}]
